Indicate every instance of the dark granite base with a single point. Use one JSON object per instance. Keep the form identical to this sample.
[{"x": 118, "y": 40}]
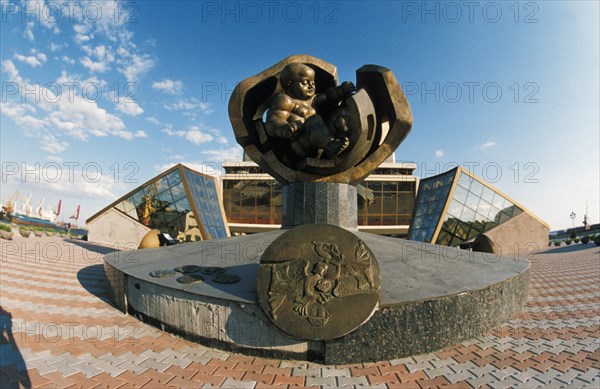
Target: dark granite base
[
  {"x": 427, "y": 326},
  {"x": 432, "y": 297}
]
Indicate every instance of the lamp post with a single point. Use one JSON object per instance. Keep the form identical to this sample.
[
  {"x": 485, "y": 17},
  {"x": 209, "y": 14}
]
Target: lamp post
[{"x": 573, "y": 216}]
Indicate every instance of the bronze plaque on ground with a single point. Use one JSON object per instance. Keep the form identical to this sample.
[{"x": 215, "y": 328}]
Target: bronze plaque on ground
[{"x": 318, "y": 282}]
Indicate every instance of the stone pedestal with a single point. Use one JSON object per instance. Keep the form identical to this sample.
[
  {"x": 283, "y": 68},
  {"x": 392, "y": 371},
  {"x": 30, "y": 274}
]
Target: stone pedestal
[
  {"x": 319, "y": 203},
  {"x": 431, "y": 297}
]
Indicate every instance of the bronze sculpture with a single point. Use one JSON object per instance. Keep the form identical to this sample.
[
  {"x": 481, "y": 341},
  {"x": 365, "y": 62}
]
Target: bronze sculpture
[
  {"x": 318, "y": 139},
  {"x": 298, "y": 114},
  {"x": 299, "y": 125}
]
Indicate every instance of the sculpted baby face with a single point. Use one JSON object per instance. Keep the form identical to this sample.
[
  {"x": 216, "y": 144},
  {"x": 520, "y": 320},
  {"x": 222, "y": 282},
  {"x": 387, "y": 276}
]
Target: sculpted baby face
[{"x": 302, "y": 83}]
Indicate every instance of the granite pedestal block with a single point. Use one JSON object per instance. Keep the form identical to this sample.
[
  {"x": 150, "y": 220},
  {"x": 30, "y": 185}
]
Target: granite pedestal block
[
  {"x": 431, "y": 297},
  {"x": 319, "y": 203}
]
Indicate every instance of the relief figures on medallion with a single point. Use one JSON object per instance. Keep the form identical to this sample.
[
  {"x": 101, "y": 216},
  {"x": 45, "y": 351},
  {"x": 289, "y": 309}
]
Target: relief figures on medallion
[{"x": 309, "y": 284}]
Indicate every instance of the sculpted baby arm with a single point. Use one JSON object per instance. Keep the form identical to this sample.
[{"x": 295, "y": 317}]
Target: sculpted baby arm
[{"x": 336, "y": 94}]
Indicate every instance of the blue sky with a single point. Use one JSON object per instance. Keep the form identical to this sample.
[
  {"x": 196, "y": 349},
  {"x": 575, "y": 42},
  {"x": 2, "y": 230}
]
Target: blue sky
[{"x": 98, "y": 97}]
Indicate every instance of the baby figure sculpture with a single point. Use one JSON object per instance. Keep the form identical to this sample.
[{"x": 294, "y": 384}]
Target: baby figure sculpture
[
  {"x": 298, "y": 114},
  {"x": 300, "y": 125}
]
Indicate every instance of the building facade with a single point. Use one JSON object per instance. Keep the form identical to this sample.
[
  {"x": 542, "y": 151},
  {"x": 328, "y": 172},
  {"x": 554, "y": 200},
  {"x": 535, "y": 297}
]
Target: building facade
[
  {"x": 180, "y": 202},
  {"x": 253, "y": 199},
  {"x": 456, "y": 208}
]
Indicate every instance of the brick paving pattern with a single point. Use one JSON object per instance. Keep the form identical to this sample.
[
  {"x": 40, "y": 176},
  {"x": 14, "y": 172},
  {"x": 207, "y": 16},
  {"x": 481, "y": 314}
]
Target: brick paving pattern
[{"x": 59, "y": 331}]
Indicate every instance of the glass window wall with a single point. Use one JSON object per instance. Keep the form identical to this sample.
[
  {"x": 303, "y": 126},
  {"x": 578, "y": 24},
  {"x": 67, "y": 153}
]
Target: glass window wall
[
  {"x": 156, "y": 206},
  {"x": 473, "y": 209},
  {"x": 252, "y": 201},
  {"x": 163, "y": 204},
  {"x": 380, "y": 203},
  {"x": 385, "y": 203}
]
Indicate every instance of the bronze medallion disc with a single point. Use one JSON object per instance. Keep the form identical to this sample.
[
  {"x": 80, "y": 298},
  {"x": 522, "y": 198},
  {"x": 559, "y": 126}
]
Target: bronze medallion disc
[
  {"x": 190, "y": 279},
  {"x": 318, "y": 282},
  {"x": 186, "y": 269},
  {"x": 211, "y": 270},
  {"x": 224, "y": 278},
  {"x": 162, "y": 273}
]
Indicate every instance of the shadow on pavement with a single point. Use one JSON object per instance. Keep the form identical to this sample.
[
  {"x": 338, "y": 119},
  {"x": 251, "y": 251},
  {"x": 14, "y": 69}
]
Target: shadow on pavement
[
  {"x": 13, "y": 370},
  {"x": 95, "y": 248},
  {"x": 93, "y": 279}
]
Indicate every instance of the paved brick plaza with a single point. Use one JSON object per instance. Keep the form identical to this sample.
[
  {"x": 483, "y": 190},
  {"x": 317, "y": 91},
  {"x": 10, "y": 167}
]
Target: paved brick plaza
[{"x": 59, "y": 331}]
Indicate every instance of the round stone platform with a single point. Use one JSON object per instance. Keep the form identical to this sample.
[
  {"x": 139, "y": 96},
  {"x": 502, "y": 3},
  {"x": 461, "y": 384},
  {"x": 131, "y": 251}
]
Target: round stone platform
[{"x": 431, "y": 297}]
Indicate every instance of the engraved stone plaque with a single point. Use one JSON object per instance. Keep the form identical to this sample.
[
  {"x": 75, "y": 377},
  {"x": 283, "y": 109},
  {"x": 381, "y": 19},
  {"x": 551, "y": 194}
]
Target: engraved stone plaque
[{"x": 318, "y": 282}]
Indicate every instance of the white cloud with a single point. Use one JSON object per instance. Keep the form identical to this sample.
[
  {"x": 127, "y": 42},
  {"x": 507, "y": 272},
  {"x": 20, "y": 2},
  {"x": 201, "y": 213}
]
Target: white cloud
[
  {"x": 38, "y": 12},
  {"x": 82, "y": 119},
  {"x": 116, "y": 41},
  {"x": 167, "y": 130},
  {"x": 92, "y": 66},
  {"x": 218, "y": 136},
  {"x": 188, "y": 105},
  {"x": 53, "y": 145},
  {"x": 103, "y": 53},
  {"x": 19, "y": 113},
  {"x": 68, "y": 60},
  {"x": 152, "y": 119},
  {"x": 28, "y": 33},
  {"x": 194, "y": 134},
  {"x": 487, "y": 145},
  {"x": 30, "y": 123},
  {"x": 439, "y": 153},
  {"x": 233, "y": 153},
  {"x": 14, "y": 110},
  {"x": 98, "y": 59},
  {"x": 53, "y": 158},
  {"x": 180, "y": 105},
  {"x": 168, "y": 86},
  {"x": 140, "y": 134},
  {"x": 135, "y": 66},
  {"x": 29, "y": 60},
  {"x": 42, "y": 57},
  {"x": 129, "y": 107},
  {"x": 55, "y": 47},
  {"x": 9, "y": 68},
  {"x": 81, "y": 33},
  {"x": 85, "y": 186},
  {"x": 72, "y": 115}
]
